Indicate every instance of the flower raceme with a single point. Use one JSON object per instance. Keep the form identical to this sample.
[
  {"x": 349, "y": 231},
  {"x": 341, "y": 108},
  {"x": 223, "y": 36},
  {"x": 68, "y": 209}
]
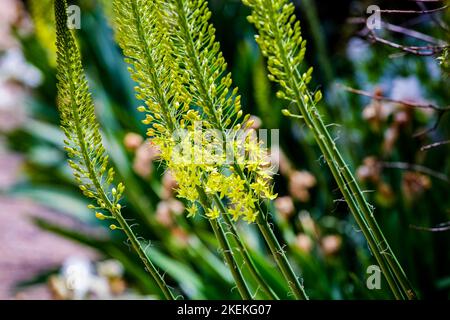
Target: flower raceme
[
  {"x": 280, "y": 40},
  {"x": 83, "y": 143},
  {"x": 192, "y": 113},
  {"x": 202, "y": 138},
  {"x": 195, "y": 119},
  {"x": 198, "y": 157},
  {"x": 193, "y": 86}
]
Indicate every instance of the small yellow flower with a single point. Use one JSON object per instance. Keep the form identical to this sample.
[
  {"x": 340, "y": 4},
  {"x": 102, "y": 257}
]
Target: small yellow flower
[
  {"x": 192, "y": 210},
  {"x": 213, "y": 213}
]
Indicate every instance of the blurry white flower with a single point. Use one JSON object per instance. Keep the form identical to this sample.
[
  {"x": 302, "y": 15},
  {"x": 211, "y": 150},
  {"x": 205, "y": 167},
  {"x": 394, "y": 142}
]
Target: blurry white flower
[
  {"x": 358, "y": 50},
  {"x": 285, "y": 206},
  {"x": 407, "y": 89},
  {"x": 146, "y": 153},
  {"x": 163, "y": 214},
  {"x": 13, "y": 66},
  {"x": 331, "y": 244},
  {"x": 77, "y": 273},
  {"x": 300, "y": 182},
  {"x": 177, "y": 207},
  {"x": 169, "y": 185},
  {"x": 132, "y": 141},
  {"x": 10, "y": 164},
  {"x": 110, "y": 269},
  {"x": 12, "y": 109},
  {"x": 99, "y": 288},
  {"x": 304, "y": 243},
  {"x": 9, "y": 14},
  {"x": 81, "y": 281}
]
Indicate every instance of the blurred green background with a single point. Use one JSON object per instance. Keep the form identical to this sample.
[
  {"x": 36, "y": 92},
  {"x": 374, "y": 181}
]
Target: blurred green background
[{"x": 409, "y": 187}]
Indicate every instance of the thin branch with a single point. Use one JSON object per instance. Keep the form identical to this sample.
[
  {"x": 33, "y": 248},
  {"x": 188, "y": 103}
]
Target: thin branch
[
  {"x": 412, "y": 33},
  {"x": 403, "y": 102},
  {"x": 399, "y": 29},
  {"x": 416, "y": 168},
  {"x": 414, "y": 11},
  {"x": 434, "y": 145},
  {"x": 439, "y": 228},
  {"x": 435, "y": 19},
  {"x": 429, "y": 50},
  {"x": 439, "y": 110},
  {"x": 432, "y": 128}
]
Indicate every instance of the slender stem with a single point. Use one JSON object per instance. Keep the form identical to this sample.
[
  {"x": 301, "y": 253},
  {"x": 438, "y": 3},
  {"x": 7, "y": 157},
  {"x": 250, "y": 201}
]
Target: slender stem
[
  {"x": 414, "y": 11},
  {"x": 347, "y": 183},
  {"x": 211, "y": 108},
  {"x": 402, "y": 102},
  {"x": 331, "y": 155},
  {"x": 227, "y": 252},
  {"x": 110, "y": 206},
  {"x": 275, "y": 247},
  {"x": 137, "y": 246},
  {"x": 382, "y": 244},
  {"x": 245, "y": 254},
  {"x": 64, "y": 37},
  {"x": 339, "y": 170},
  {"x": 434, "y": 145},
  {"x": 226, "y": 248},
  {"x": 281, "y": 259}
]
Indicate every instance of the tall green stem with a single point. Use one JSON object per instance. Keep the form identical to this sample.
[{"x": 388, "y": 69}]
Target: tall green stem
[
  {"x": 275, "y": 247},
  {"x": 226, "y": 249},
  {"x": 200, "y": 72},
  {"x": 81, "y": 128},
  {"x": 281, "y": 259},
  {"x": 137, "y": 246},
  {"x": 228, "y": 254},
  {"x": 243, "y": 250},
  {"x": 280, "y": 43}
]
